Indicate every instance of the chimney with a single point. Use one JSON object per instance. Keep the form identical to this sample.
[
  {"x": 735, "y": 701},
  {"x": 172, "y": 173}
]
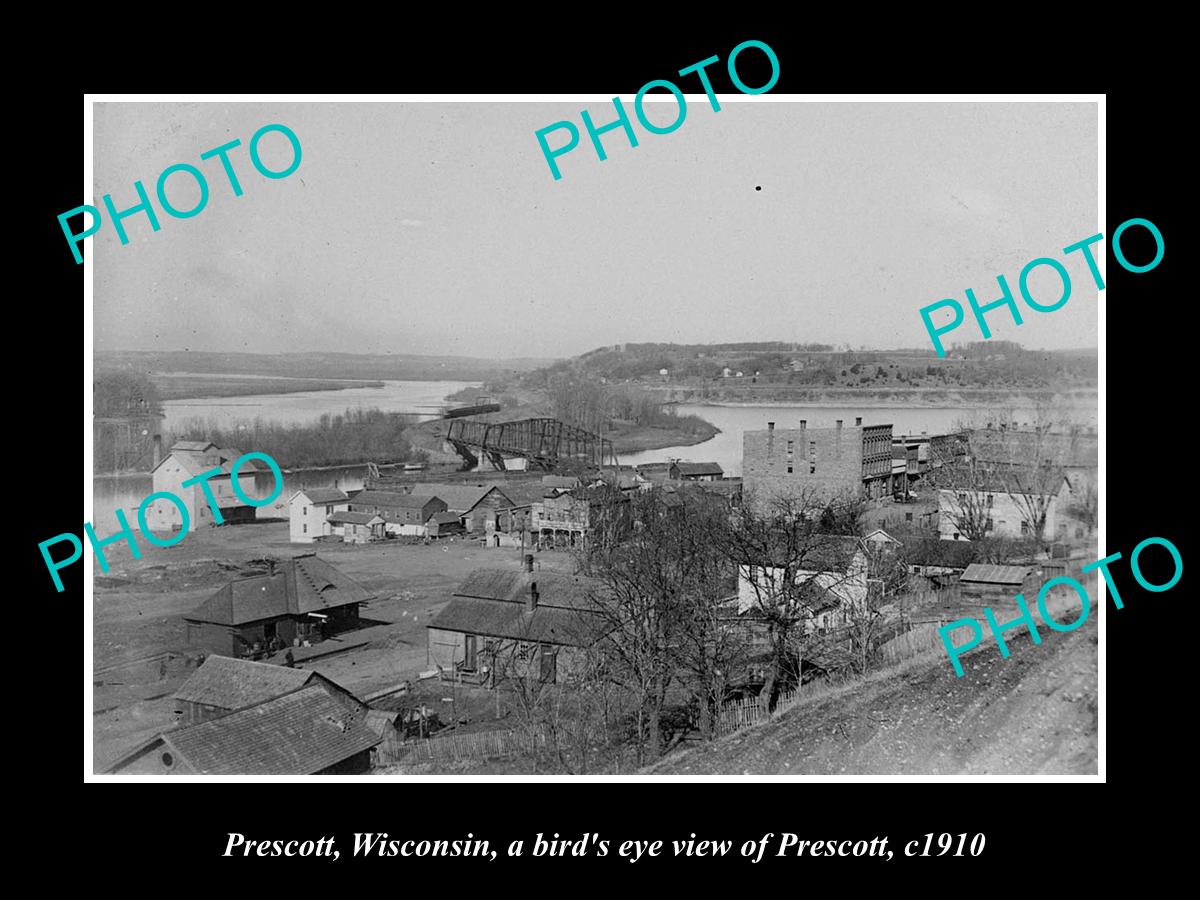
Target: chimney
[
  {"x": 858, "y": 420},
  {"x": 533, "y": 597},
  {"x": 157, "y": 450},
  {"x": 528, "y": 562}
]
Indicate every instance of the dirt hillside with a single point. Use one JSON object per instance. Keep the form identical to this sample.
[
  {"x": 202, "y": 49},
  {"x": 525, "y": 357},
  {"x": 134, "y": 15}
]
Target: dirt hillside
[{"x": 1031, "y": 714}]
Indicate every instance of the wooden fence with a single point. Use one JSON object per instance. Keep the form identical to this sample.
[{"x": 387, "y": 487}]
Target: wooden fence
[
  {"x": 921, "y": 639},
  {"x": 748, "y": 711},
  {"x": 478, "y": 745}
]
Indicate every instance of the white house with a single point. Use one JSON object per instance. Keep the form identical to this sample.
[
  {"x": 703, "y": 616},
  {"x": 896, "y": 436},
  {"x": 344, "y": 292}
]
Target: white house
[
  {"x": 309, "y": 508},
  {"x": 188, "y": 459},
  {"x": 835, "y": 564},
  {"x": 1007, "y": 511}
]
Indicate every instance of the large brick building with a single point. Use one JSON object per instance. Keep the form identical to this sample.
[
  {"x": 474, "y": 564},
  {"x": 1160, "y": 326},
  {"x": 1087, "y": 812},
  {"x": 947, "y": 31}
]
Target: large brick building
[{"x": 825, "y": 464}]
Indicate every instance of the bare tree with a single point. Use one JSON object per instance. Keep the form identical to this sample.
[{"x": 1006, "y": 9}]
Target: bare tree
[
  {"x": 790, "y": 571},
  {"x": 658, "y": 591}
]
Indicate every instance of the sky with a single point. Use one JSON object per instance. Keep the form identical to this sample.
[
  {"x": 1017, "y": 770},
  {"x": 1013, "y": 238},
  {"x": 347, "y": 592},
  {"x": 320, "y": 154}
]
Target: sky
[{"x": 438, "y": 228}]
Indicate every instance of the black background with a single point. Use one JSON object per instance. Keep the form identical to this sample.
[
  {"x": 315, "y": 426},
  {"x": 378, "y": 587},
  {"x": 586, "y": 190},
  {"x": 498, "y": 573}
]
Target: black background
[{"x": 171, "y": 837}]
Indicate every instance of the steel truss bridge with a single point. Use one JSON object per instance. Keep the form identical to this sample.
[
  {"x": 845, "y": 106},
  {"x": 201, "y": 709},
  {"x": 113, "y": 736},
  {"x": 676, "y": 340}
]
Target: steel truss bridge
[{"x": 548, "y": 444}]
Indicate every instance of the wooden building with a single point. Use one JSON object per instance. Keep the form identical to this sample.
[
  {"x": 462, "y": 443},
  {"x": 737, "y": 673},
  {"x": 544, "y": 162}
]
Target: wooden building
[
  {"x": 505, "y": 621},
  {"x": 477, "y": 505},
  {"x": 989, "y": 585},
  {"x": 308, "y": 510},
  {"x": 356, "y": 527},
  {"x": 301, "y": 599},
  {"x": 402, "y": 513},
  {"x": 444, "y": 524},
  {"x": 223, "y": 685},
  {"x": 303, "y": 732},
  {"x": 188, "y": 459},
  {"x": 695, "y": 471}
]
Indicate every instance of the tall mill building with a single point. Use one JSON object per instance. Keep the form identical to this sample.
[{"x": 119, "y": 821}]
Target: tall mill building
[{"x": 824, "y": 464}]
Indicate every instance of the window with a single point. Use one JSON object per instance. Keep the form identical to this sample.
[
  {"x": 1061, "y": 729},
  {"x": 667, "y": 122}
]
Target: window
[
  {"x": 789, "y": 470},
  {"x": 956, "y": 535},
  {"x": 471, "y": 648},
  {"x": 524, "y": 650},
  {"x": 1024, "y": 527},
  {"x": 305, "y": 511},
  {"x": 168, "y": 760},
  {"x": 305, "y": 529},
  {"x": 991, "y": 498},
  {"x": 908, "y": 517},
  {"x": 548, "y": 663}
]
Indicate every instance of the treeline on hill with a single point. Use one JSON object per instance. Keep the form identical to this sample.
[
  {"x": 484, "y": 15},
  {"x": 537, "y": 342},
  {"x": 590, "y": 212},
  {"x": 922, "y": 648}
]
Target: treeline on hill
[
  {"x": 981, "y": 364},
  {"x": 600, "y": 407},
  {"x": 355, "y": 436}
]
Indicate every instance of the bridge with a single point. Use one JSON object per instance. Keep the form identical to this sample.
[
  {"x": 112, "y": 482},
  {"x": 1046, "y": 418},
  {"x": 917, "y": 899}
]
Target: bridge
[{"x": 548, "y": 444}]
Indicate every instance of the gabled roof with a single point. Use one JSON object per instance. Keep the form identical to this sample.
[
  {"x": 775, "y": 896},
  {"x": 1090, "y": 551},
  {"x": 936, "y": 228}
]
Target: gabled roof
[
  {"x": 343, "y": 517},
  {"x": 513, "y": 586},
  {"x": 323, "y": 495},
  {"x": 445, "y": 518},
  {"x": 389, "y": 499},
  {"x": 698, "y": 468},
  {"x": 198, "y": 457},
  {"x": 300, "y": 733},
  {"x": 233, "y": 683},
  {"x": 459, "y": 497},
  {"x": 300, "y": 585},
  {"x": 545, "y": 624},
  {"x": 991, "y": 574},
  {"x": 887, "y": 538}
]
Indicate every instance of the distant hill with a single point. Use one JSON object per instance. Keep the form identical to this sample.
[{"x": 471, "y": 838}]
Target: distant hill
[
  {"x": 392, "y": 366},
  {"x": 995, "y": 365}
]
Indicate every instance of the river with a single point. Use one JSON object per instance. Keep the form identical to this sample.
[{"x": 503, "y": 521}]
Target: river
[
  {"x": 113, "y": 492},
  {"x": 726, "y": 447},
  {"x": 422, "y": 397}
]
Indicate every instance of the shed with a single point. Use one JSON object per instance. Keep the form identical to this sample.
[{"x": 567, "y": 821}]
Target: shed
[
  {"x": 223, "y": 685},
  {"x": 986, "y": 583}
]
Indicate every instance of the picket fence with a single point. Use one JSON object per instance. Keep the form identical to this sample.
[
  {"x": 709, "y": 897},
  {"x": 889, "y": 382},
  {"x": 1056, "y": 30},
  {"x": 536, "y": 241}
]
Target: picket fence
[
  {"x": 743, "y": 713},
  {"x": 921, "y": 639}
]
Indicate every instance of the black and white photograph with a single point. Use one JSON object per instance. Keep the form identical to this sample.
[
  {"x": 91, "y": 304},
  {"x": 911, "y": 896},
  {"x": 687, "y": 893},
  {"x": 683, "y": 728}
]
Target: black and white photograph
[{"x": 693, "y": 435}]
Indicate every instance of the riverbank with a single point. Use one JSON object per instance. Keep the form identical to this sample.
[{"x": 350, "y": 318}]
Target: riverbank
[
  {"x": 193, "y": 386},
  {"x": 932, "y": 398},
  {"x": 636, "y": 438}
]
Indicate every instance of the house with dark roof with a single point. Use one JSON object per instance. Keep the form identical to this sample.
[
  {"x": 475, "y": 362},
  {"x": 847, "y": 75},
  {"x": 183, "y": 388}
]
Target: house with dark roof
[
  {"x": 402, "y": 513},
  {"x": 444, "y": 524},
  {"x": 987, "y": 584},
  {"x": 188, "y": 459},
  {"x": 505, "y": 621},
  {"x": 356, "y": 527},
  {"x": 302, "y": 732},
  {"x": 695, "y": 471},
  {"x": 482, "y": 507},
  {"x": 828, "y": 571},
  {"x": 300, "y": 599},
  {"x": 309, "y": 508},
  {"x": 223, "y": 685}
]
